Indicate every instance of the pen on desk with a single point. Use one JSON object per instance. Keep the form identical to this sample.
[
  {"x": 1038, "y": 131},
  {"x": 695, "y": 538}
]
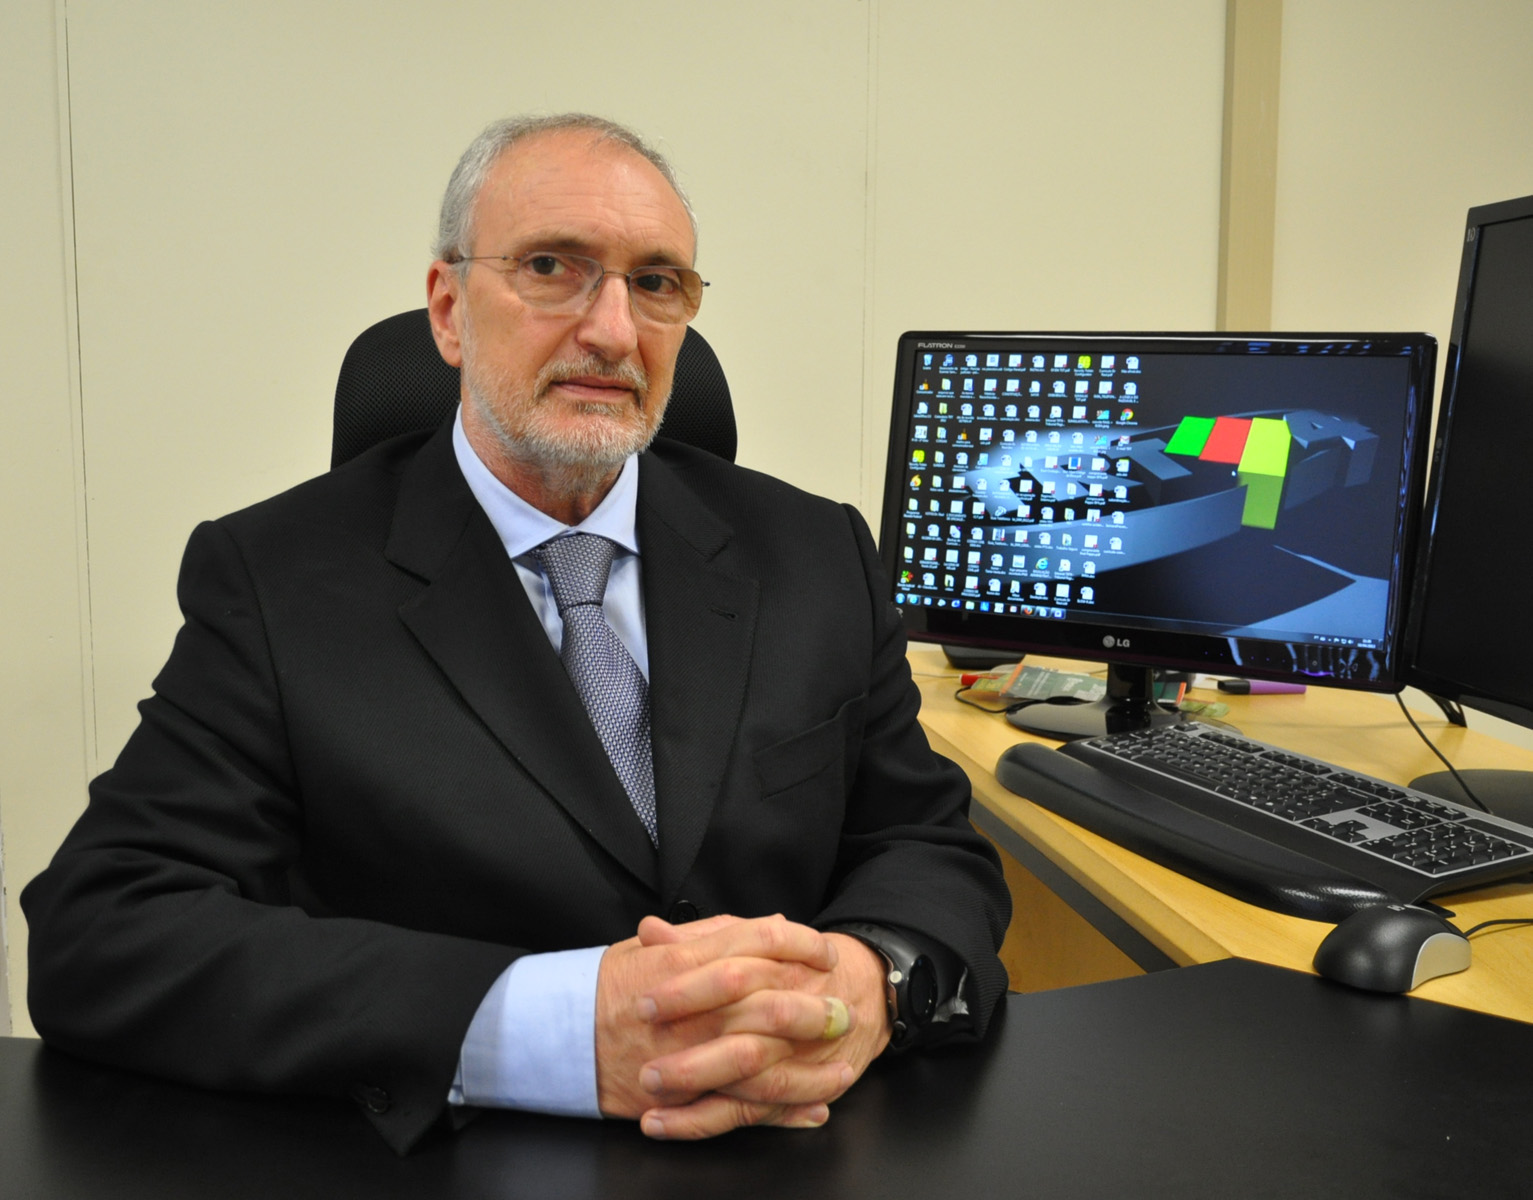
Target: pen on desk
[{"x": 1258, "y": 687}]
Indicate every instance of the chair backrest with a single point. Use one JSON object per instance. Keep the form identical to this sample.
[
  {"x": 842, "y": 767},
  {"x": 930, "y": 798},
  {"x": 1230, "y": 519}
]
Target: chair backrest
[{"x": 393, "y": 381}]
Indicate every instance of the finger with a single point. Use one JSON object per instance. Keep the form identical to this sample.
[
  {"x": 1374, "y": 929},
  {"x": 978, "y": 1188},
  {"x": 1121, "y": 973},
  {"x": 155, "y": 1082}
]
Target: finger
[
  {"x": 796, "y": 1016},
  {"x": 656, "y": 931},
  {"x": 711, "y": 1065},
  {"x": 795, "y": 1081},
  {"x": 711, "y": 1115},
  {"x": 715, "y": 985},
  {"x": 773, "y": 937}
]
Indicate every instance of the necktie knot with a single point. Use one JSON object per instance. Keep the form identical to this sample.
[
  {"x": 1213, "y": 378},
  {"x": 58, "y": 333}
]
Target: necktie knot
[{"x": 577, "y": 567}]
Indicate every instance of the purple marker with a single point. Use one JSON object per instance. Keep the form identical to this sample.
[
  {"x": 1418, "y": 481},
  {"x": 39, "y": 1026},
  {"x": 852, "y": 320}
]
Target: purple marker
[{"x": 1259, "y": 687}]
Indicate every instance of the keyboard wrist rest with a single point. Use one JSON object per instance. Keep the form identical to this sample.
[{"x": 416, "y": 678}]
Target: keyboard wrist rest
[{"x": 1209, "y": 851}]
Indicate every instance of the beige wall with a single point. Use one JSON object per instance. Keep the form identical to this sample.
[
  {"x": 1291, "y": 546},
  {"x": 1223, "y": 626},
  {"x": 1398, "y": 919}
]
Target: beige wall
[
  {"x": 204, "y": 203},
  {"x": 1396, "y": 117}
]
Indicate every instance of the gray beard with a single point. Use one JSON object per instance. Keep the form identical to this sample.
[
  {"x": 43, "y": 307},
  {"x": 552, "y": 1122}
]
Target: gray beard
[{"x": 571, "y": 463}]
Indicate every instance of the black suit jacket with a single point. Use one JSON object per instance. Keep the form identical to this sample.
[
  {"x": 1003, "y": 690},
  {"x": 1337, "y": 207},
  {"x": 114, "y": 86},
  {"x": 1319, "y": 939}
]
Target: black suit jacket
[{"x": 364, "y": 783}]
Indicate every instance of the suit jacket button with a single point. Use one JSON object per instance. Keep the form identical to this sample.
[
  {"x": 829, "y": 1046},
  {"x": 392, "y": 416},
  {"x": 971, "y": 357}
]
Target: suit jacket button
[
  {"x": 374, "y": 1099},
  {"x": 682, "y": 912}
]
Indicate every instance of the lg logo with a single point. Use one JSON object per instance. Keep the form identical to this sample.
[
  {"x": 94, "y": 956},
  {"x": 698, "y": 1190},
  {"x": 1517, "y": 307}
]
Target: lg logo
[{"x": 1121, "y": 643}]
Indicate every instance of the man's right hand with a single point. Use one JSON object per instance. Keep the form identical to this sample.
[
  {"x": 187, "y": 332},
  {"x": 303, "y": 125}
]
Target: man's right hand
[{"x": 766, "y": 961}]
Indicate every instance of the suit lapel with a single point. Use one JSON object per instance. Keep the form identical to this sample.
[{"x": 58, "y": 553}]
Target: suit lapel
[
  {"x": 700, "y": 617},
  {"x": 474, "y": 619}
]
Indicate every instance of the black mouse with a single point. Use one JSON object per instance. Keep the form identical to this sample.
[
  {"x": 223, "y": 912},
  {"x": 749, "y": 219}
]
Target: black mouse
[{"x": 1391, "y": 948}]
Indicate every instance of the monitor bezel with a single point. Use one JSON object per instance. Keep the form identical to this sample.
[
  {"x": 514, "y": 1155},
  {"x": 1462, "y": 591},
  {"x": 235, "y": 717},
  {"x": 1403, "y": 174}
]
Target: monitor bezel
[{"x": 1100, "y": 641}]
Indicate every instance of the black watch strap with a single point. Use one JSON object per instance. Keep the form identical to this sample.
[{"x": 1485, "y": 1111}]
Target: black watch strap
[{"x": 910, "y": 979}]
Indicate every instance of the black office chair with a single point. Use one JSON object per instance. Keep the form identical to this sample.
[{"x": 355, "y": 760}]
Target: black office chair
[{"x": 393, "y": 381}]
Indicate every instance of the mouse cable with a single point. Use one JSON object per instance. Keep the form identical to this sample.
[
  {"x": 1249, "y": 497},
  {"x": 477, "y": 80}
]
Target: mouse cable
[
  {"x": 1501, "y": 921},
  {"x": 1014, "y": 706},
  {"x": 1478, "y": 803}
]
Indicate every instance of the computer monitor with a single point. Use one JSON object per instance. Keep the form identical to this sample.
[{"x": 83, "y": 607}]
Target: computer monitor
[
  {"x": 1239, "y": 504},
  {"x": 1469, "y": 638}
]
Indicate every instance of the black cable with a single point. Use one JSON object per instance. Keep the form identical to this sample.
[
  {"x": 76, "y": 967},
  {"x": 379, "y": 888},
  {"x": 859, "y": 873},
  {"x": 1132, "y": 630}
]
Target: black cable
[
  {"x": 1500, "y": 921},
  {"x": 1478, "y": 803},
  {"x": 998, "y": 712}
]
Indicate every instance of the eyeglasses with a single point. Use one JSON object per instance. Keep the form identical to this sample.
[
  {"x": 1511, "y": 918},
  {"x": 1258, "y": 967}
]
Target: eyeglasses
[{"x": 568, "y": 283}]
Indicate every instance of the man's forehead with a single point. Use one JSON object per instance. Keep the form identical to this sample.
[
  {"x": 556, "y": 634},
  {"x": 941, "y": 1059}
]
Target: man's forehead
[{"x": 571, "y": 189}]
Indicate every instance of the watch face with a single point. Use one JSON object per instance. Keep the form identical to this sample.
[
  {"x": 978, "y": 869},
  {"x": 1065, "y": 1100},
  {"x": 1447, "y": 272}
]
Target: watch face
[{"x": 922, "y": 990}]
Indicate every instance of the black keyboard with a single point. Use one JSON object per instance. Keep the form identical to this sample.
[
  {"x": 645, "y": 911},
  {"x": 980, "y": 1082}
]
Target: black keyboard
[{"x": 1278, "y": 829}]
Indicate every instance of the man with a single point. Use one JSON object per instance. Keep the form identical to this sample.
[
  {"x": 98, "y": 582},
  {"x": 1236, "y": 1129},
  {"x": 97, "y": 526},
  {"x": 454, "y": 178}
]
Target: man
[{"x": 375, "y": 836}]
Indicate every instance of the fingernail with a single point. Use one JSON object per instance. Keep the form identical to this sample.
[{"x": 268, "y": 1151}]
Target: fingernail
[
  {"x": 848, "y": 1077},
  {"x": 649, "y": 1079},
  {"x": 648, "y": 1009},
  {"x": 812, "y": 1119},
  {"x": 652, "y": 1126}
]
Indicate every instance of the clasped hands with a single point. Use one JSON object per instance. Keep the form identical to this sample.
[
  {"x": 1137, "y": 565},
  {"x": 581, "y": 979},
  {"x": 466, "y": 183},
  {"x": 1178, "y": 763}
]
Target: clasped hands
[{"x": 704, "y": 1027}]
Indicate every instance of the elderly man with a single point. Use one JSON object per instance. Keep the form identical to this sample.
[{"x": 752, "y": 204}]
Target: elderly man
[{"x": 520, "y": 765}]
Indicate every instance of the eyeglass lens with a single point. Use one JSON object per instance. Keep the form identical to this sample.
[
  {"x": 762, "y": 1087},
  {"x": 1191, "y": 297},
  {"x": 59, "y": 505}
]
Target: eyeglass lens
[{"x": 549, "y": 280}]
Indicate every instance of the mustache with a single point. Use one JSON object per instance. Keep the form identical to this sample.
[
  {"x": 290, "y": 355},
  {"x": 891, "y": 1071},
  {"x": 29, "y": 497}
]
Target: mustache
[{"x": 626, "y": 373}]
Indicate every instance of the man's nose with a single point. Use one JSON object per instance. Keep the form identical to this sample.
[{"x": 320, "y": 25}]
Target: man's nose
[{"x": 608, "y": 326}]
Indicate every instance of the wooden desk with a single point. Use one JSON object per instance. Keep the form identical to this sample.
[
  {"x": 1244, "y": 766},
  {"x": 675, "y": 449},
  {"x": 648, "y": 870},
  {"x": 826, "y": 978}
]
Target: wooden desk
[{"x": 1089, "y": 910}]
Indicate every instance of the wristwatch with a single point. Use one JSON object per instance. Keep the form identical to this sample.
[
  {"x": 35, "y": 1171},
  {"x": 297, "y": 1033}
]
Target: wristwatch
[{"x": 910, "y": 980}]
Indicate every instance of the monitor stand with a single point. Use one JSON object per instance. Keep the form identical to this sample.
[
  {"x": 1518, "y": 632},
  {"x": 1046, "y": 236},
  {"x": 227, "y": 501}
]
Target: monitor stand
[
  {"x": 1129, "y": 704},
  {"x": 1507, "y": 794}
]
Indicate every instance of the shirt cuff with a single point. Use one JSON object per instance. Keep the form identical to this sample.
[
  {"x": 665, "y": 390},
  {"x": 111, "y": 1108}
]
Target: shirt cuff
[{"x": 532, "y": 1044}]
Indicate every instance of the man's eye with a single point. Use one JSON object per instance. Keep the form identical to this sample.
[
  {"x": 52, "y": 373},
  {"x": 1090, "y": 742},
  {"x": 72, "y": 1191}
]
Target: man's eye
[
  {"x": 659, "y": 283},
  {"x": 544, "y": 264}
]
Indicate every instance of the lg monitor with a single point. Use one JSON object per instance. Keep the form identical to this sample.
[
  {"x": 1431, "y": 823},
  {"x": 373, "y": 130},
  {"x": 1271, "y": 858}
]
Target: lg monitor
[
  {"x": 1236, "y": 504},
  {"x": 1469, "y": 639}
]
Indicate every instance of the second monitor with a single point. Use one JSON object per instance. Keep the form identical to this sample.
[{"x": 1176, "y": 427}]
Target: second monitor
[{"x": 1207, "y": 502}]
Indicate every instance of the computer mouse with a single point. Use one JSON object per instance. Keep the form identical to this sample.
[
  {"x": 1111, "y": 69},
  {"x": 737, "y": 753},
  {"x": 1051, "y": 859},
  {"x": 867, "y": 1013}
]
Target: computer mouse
[{"x": 1391, "y": 948}]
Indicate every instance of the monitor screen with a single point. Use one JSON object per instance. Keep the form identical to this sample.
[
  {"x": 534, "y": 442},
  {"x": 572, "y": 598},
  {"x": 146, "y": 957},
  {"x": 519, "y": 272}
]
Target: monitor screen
[
  {"x": 1468, "y": 637},
  {"x": 1210, "y": 502}
]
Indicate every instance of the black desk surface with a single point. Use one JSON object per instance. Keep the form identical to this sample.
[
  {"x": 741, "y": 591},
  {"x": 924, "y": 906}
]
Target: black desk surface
[{"x": 1230, "y": 1079}]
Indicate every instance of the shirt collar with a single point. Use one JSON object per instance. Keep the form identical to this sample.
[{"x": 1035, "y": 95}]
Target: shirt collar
[{"x": 523, "y": 528}]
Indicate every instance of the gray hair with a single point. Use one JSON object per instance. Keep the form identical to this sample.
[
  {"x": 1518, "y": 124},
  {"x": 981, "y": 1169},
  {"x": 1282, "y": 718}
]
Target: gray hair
[{"x": 455, "y": 228}]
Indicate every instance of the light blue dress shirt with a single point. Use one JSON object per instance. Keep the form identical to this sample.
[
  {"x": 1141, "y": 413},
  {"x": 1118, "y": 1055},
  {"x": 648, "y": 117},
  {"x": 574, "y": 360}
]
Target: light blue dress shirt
[{"x": 532, "y": 1042}]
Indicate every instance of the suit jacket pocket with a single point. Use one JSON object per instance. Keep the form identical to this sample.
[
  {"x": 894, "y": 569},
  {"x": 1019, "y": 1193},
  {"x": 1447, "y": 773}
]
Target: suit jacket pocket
[{"x": 828, "y": 749}]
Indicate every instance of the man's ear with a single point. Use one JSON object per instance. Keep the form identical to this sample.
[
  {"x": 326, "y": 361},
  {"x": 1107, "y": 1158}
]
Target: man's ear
[{"x": 444, "y": 295}]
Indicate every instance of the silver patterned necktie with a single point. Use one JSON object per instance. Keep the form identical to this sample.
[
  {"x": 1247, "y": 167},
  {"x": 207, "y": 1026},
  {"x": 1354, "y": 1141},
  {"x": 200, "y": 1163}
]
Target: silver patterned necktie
[{"x": 609, "y": 682}]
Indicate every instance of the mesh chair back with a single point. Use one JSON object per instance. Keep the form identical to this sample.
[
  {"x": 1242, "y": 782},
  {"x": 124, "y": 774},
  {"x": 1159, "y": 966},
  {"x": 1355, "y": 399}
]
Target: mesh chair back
[{"x": 393, "y": 381}]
